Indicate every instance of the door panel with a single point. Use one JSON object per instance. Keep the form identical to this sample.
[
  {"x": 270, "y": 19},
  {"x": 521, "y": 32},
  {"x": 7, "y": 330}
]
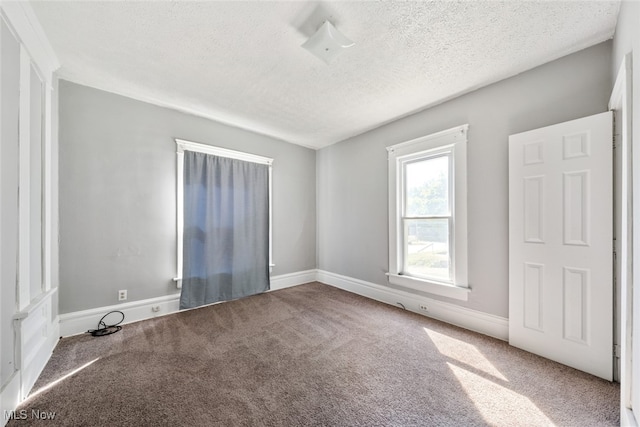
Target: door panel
[{"x": 560, "y": 243}]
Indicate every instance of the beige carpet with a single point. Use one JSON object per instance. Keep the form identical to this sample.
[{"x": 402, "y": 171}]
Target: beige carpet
[{"x": 310, "y": 355}]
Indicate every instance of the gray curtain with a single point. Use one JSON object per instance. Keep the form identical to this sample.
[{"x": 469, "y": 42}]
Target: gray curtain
[{"x": 226, "y": 229}]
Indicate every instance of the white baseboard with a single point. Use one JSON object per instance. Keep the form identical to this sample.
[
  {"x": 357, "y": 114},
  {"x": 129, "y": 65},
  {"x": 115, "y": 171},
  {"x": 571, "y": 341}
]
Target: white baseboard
[
  {"x": 487, "y": 324},
  {"x": 19, "y": 387},
  {"x": 9, "y": 398},
  {"x": 293, "y": 279},
  {"x": 627, "y": 417},
  {"x": 35, "y": 365},
  {"x": 79, "y": 322},
  {"x": 37, "y": 335}
]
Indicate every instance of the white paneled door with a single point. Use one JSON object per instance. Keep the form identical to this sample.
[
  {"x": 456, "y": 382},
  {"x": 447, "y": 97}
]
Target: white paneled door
[{"x": 561, "y": 243}]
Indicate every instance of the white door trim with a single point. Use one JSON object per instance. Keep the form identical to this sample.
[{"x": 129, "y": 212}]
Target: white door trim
[{"x": 620, "y": 101}]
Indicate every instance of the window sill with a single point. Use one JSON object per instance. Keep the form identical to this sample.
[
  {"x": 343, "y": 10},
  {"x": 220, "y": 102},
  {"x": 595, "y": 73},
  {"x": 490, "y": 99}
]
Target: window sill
[{"x": 441, "y": 289}]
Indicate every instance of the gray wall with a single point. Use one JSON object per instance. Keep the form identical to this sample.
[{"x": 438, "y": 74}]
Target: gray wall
[
  {"x": 117, "y": 184},
  {"x": 352, "y": 175},
  {"x": 117, "y": 195}
]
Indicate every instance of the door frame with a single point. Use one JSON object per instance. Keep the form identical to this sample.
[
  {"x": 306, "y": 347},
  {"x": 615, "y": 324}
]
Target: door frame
[{"x": 620, "y": 102}]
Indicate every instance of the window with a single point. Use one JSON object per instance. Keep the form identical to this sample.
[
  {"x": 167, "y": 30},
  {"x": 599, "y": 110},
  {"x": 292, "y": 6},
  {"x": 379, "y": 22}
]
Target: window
[
  {"x": 428, "y": 214},
  {"x": 221, "y": 152}
]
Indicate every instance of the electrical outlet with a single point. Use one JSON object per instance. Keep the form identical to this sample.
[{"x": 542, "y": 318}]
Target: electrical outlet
[
  {"x": 122, "y": 295},
  {"x": 423, "y": 308}
]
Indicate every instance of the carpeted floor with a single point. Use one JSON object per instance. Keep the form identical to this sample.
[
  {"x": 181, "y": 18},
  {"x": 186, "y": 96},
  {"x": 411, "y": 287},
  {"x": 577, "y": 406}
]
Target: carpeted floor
[{"x": 309, "y": 355}]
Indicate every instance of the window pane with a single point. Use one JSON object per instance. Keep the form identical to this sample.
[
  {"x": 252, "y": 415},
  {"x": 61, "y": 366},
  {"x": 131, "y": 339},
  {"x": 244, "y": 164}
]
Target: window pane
[
  {"x": 427, "y": 248},
  {"x": 427, "y": 187}
]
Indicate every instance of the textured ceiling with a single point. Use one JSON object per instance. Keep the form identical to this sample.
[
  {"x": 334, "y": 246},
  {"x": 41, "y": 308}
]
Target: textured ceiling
[{"x": 241, "y": 62}]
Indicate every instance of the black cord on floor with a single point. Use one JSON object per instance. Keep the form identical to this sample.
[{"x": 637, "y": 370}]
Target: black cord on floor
[{"x": 104, "y": 329}]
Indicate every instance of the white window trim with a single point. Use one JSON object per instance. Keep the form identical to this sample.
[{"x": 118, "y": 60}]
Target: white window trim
[
  {"x": 183, "y": 145},
  {"x": 397, "y": 154}
]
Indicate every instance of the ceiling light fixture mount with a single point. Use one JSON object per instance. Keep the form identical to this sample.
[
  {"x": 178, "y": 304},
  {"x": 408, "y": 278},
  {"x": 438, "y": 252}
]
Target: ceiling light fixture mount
[{"x": 327, "y": 43}]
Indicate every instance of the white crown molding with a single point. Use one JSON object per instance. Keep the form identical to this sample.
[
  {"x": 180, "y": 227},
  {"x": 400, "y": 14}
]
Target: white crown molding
[{"x": 23, "y": 20}]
